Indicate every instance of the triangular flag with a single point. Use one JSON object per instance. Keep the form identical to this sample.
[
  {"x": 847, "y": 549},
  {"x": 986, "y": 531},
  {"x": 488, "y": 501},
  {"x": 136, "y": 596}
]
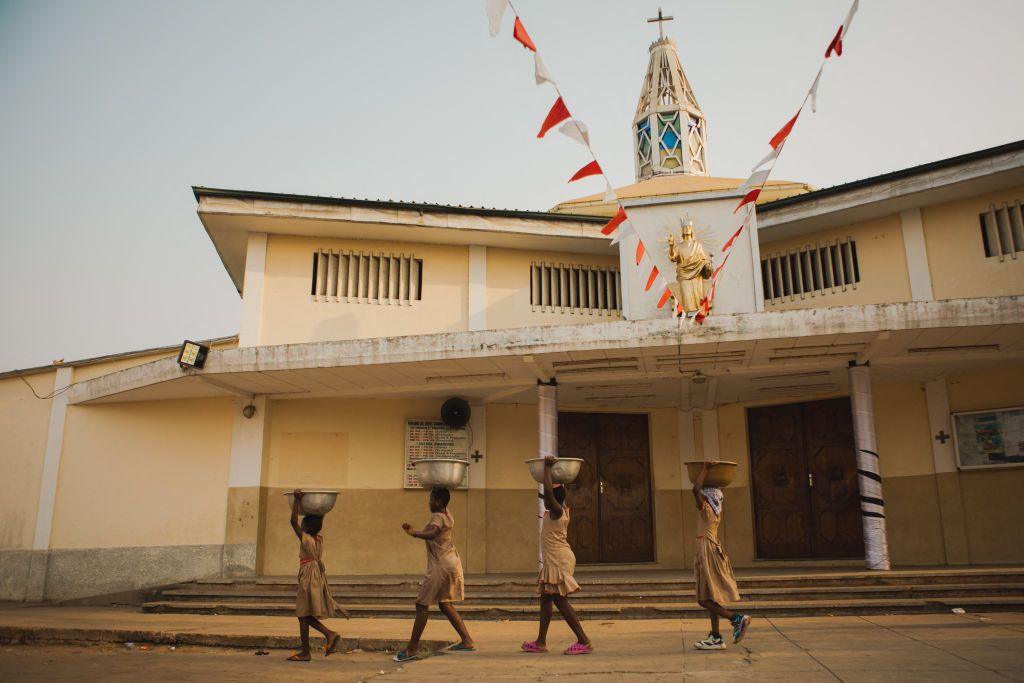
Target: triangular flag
[
  {"x": 558, "y": 113},
  {"x": 757, "y": 179},
  {"x": 784, "y": 132},
  {"x": 650, "y": 280},
  {"x": 520, "y": 34},
  {"x": 495, "y": 11},
  {"x": 615, "y": 222},
  {"x": 814, "y": 90},
  {"x": 849, "y": 17},
  {"x": 609, "y": 192},
  {"x": 626, "y": 229},
  {"x": 836, "y": 45},
  {"x": 772, "y": 156},
  {"x": 728, "y": 245},
  {"x": 540, "y": 72},
  {"x": 593, "y": 168},
  {"x": 664, "y": 298},
  {"x": 714, "y": 275},
  {"x": 576, "y": 130},
  {"x": 747, "y": 198},
  {"x": 640, "y": 249}
]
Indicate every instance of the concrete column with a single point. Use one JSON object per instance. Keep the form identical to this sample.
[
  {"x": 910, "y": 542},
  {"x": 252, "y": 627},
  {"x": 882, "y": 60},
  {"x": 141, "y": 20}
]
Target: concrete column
[
  {"x": 246, "y": 498},
  {"x": 547, "y": 416},
  {"x": 475, "y": 555},
  {"x": 872, "y": 505},
  {"x": 947, "y": 477},
  {"x": 477, "y": 298},
  {"x": 917, "y": 255},
  {"x": 35, "y": 589},
  {"x": 252, "y": 290}
]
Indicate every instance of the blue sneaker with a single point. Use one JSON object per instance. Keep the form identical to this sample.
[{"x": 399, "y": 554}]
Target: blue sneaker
[{"x": 740, "y": 623}]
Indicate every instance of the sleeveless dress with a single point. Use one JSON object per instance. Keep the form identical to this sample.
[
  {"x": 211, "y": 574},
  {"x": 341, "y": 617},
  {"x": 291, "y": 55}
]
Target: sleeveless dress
[
  {"x": 314, "y": 596},
  {"x": 556, "y": 575},
  {"x": 443, "y": 581},
  {"x": 711, "y": 567}
]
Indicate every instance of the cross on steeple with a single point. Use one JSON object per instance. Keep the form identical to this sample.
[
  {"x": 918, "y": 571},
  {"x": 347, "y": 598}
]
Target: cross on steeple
[{"x": 660, "y": 20}]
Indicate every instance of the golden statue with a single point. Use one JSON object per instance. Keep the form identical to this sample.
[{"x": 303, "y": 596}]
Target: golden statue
[{"x": 693, "y": 266}]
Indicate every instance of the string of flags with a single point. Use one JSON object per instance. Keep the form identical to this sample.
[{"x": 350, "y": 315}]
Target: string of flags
[{"x": 619, "y": 226}]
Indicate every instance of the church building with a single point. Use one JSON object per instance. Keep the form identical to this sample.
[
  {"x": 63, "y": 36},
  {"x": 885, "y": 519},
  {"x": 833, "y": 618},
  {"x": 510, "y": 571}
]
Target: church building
[{"x": 897, "y": 298}]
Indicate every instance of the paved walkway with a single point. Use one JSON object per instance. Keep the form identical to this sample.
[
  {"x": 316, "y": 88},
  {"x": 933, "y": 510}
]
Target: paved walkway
[{"x": 937, "y": 647}]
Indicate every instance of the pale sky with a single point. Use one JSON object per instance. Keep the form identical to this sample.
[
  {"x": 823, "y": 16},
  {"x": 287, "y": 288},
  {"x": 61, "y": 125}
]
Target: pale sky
[{"x": 110, "y": 110}]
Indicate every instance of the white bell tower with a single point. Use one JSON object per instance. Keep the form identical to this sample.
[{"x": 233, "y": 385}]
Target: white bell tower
[{"x": 669, "y": 129}]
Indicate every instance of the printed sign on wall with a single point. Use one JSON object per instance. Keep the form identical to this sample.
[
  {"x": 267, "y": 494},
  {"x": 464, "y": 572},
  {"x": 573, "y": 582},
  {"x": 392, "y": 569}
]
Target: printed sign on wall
[
  {"x": 433, "y": 439},
  {"x": 989, "y": 438}
]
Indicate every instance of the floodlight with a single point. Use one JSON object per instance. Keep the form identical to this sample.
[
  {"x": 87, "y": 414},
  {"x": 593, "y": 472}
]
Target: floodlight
[{"x": 193, "y": 355}]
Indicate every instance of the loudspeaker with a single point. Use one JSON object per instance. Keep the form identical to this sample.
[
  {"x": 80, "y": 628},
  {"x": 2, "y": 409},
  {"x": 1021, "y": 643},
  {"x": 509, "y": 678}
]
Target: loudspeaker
[{"x": 455, "y": 413}]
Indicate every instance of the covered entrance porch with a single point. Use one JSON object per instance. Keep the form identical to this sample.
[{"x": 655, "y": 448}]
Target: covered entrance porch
[{"x": 333, "y": 414}]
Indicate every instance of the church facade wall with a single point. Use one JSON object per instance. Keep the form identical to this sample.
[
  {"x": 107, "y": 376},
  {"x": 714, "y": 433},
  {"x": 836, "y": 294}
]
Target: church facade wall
[
  {"x": 956, "y": 253},
  {"x": 24, "y": 420},
  {"x": 508, "y": 288},
  {"x": 141, "y": 496},
  {"x": 290, "y": 315},
  {"x": 881, "y": 261}
]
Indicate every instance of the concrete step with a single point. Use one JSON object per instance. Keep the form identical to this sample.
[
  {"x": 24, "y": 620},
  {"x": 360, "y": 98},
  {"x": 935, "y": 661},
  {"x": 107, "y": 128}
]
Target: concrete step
[
  {"x": 599, "y": 610},
  {"x": 377, "y": 595}
]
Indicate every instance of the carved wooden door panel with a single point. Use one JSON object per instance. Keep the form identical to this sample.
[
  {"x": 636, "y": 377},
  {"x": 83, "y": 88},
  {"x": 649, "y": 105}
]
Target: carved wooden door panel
[
  {"x": 623, "y": 454},
  {"x": 782, "y": 520},
  {"x": 577, "y": 438},
  {"x": 836, "y": 526}
]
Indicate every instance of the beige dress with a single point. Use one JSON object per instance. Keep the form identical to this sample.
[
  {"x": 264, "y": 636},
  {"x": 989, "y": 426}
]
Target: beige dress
[
  {"x": 711, "y": 567},
  {"x": 443, "y": 581},
  {"x": 556, "y": 575},
  {"x": 314, "y": 596}
]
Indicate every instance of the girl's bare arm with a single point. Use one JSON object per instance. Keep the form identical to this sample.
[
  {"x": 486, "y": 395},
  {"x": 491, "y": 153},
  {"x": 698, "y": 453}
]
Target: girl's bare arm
[
  {"x": 550, "y": 502},
  {"x": 699, "y": 484},
  {"x": 430, "y": 531},
  {"x": 296, "y": 498}
]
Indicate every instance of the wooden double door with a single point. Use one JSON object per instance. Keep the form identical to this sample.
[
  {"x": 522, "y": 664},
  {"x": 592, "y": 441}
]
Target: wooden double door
[
  {"x": 610, "y": 501},
  {"x": 804, "y": 476}
]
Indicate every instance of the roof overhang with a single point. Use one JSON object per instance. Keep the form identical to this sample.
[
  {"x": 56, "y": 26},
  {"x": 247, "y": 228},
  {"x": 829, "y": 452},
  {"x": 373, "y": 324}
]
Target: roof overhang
[
  {"x": 230, "y": 215},
  {"x": 980, "y": 172},
  {"x": 737, "y": 352}
]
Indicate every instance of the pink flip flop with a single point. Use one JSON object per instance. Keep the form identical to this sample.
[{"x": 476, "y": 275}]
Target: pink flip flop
[
  {"x": 533, "y": 647},
  {"x": 578, "y": 649}
]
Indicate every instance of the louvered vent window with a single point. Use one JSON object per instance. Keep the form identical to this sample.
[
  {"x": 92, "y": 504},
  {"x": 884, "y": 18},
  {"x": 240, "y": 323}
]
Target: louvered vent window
[
  {"x": 568, "y": 288},
  {"x": 1002, "y": 230},
  {"x": 821, "y": 269},
  {"x": 355, "y": 277}
]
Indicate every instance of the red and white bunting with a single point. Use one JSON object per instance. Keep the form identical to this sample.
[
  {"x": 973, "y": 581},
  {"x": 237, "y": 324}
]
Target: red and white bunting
[
  {"x": 576, "y": 130},
  {"x": 593, "y": 168},
  {"x": 651, "y": 278},
  {"x": 615, "y": 222},
  {"x": 836, "y": 45},
  {"x": 520, "y": 34},
  {"x": 771, "y": 156},
  {"x": 756, "y": 179},
  {"x": 495, "y": 11},
  {"x": 664, "y": 297},
  {"x": 540, "y": 72},
  {"x": 640, "y": 250},
  {"x": 813, "y": 92},
  {"x": 784, "y": 132},
  {"x": 559, "y": 112}
]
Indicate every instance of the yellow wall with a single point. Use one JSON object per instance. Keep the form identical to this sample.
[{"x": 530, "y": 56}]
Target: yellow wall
[
  {"x": 991, "y": 497},
  {"x": 956, "y": 254},
  {"x": 508, "y": 289},
  {"x": 289, "y": 315},
  {"x": 880, "y": 257},
  {"x": 24, "y": 421},
  {"x": 143, "y": 474}
]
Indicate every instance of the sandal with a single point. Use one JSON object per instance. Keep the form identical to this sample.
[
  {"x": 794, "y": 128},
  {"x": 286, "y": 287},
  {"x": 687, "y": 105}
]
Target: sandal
[
  {"x": 297, "y": 657},
  {"x": 332, "y": 645},
  {"x": 459, "y": 647},
  {"x": 402, "y": 657},
  {"x": 578, "y": 649},
  {"x": 533, "y": 647}
]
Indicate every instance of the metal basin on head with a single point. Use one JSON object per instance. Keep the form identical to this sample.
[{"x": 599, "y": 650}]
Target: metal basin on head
[
  {"x": 719, "y": 475},
  {"x": 442, "y": 473},
  {"x": 315, "y": 501},
  {"x": 564, "y": 471}
]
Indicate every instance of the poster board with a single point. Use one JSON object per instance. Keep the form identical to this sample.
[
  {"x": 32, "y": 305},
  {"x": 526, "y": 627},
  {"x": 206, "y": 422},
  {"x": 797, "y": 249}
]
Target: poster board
[
  {"x": 433, "y": 439},
  {"x": 989, "y": 438}
]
